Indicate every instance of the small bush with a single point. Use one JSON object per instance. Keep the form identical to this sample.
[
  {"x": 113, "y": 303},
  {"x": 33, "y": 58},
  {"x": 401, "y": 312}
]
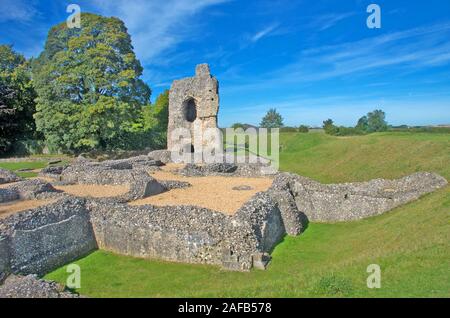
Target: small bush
[
  {"x": 348, "y": 131},
  {"x": 303, "y": 129}
]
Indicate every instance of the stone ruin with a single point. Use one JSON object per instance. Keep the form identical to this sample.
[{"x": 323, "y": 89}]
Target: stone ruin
[
  {"x": 39, "y": 240},
  {"x": 42, "y": 239},
  {"x": 193, "y": 105}
]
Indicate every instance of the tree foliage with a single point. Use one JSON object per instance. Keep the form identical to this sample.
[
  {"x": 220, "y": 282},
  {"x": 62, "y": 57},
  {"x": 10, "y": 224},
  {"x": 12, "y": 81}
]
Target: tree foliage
[
  {"x": 303, "y": 129},
  {"x": 90, "y": 93},
  {"x": 363, "y": 124},
  {"x": 161, "y": 111},
  {"x": 329, "y": 127},
  {"x": 373, "y": 122},
  {"x": 156, "y": 119},
  {"x": 272, "y": 119},
  {"x": 376, "y": 121},
  {"x": 238, "y": 125},
  {"x": 16, "y": 99}
]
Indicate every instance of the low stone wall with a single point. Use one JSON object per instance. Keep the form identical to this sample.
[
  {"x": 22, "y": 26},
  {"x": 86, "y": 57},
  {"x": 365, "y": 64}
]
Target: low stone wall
[
  {"x": 43, "y": 239},
  {"x": 226, "y": 169},
  {"x": 181, "y": 234},
  {"x": 190, "y": 234},
  {"x": 355, "y": 201},
  {"x": 34, "y": 189},
  {"x": 7, "y": 195},
  {"x": 4, "y": 258},
  {"x": 118, "y": 172},
  {"x": 7, "y": 176}
]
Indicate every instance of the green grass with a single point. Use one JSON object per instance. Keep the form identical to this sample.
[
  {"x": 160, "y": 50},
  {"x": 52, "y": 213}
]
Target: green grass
[
  {"x": 33, "y": 165},
  {"x": 411, "y": 243},
  {"x": 382, "y": 155}
]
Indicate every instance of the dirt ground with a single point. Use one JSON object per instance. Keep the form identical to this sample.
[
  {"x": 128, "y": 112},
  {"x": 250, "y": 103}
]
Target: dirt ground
[
  {"x": 5, "y": 185},
  {"x": 94, "y": 191},
  {"x": 213, "y": 192},
  {"x": 10, "y": 208}
]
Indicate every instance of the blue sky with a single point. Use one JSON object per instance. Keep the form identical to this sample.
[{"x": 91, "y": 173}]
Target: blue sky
[{"x": 312, "y": 60}]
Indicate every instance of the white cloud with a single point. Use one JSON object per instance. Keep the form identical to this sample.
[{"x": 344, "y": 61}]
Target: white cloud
[
  {"x": 263, "y": 33},
  {"x": 414, "y": 49},
  {"x": 157, "y": 27},
  {"x": 410, "y": 50},
  {"x": 324, "y": 22}
]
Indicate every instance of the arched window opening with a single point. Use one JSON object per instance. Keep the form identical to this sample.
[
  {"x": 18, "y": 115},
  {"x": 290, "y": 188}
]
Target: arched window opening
[{"x": 190, "y": 110}]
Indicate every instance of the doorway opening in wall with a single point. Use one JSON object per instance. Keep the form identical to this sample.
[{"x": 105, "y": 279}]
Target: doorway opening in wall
[{"x": 190, "y": 110}]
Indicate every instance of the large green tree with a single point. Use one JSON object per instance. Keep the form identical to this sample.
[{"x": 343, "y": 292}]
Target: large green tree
[
  {"x": 16, "y": 99},
  {"x": 272, "y": 119},
  {"x": 89, "y": 86},
  {"x": 376, "y": 121}
]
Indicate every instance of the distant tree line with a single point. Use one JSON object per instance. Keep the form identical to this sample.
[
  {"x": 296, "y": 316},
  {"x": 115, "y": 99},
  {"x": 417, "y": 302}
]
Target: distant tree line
[
  {"x": 372, "y": 122},
  {"x": 82, "y": 93},
  {"x": 273, "y": 119}
]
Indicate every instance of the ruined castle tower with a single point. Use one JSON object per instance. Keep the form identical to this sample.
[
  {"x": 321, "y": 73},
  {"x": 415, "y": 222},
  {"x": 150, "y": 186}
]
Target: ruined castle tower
[{"x": 193, "y": 104}]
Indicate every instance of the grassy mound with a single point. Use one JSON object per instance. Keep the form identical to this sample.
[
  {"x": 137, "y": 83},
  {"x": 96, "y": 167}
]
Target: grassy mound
[
  {"x": 411, "y": 243},
  {"x": 389, "y": 155}
]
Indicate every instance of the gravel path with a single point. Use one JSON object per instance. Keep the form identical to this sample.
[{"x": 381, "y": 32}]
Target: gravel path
[
  {"x": 213, "y": 192},
  {"x": 94, "y": 191},
  {"x": 10, "y": 208}
]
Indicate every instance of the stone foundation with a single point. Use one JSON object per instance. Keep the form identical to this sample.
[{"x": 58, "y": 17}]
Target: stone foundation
[
  {"x": 189, "y": 234},
  {"x": 40, "y": 240},
  {"x": 355, "y": 201}
]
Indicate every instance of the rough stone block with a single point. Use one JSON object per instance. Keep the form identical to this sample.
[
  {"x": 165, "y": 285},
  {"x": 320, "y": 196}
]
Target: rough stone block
[
  {"x": 7, "y": 176},
  {"x": 7, "y": 195},
  {"x": 261, "y": 260},
  {"x": 163, "y": 156},
  {"x": 45, "y": 238}
]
